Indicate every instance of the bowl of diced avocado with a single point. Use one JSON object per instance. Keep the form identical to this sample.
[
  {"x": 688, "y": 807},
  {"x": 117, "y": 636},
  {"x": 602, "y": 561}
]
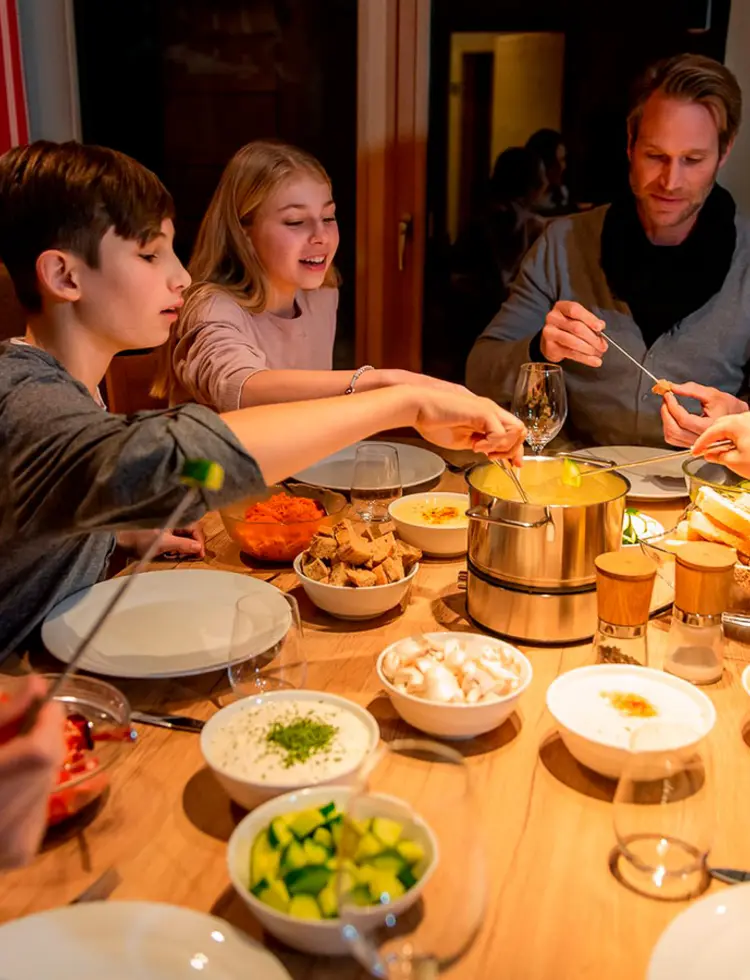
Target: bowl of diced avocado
[{"x": 287, "y": 862}]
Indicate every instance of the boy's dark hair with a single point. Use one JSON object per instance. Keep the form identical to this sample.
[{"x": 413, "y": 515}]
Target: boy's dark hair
[{"x": 67, "y": 196}]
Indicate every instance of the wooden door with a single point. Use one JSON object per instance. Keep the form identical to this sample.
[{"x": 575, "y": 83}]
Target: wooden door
[{"x": 393, "y": 106}]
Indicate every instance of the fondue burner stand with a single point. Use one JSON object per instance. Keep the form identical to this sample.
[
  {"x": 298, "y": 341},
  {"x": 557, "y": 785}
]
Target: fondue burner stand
[{"x": 538, "y": 617}]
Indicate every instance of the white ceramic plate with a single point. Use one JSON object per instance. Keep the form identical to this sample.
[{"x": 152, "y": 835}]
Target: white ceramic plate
[
  {"x": 169, "y": 624},
  {"x": 746, "y": 678},
  {"x": 711, "y": 938},
  {"x": 129, "y": 940},
  {"x": 659, "y": 481},
  {"x": 418, "y": 466}
]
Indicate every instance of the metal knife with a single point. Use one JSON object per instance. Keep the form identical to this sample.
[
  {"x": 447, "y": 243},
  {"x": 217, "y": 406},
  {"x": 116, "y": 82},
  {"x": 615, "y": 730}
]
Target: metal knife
[
  {"x": 180, "y": 723},
  {"x": 730, "y": 876}
]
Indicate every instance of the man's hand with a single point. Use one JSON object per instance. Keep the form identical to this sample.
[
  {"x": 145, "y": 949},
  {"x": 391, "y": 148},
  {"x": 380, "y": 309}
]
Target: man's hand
[
  {"x": 572, "y": 333},
  {"x": 681, "y": 427}
]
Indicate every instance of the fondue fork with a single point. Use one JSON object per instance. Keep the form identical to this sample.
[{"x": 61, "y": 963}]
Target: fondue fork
[
  {"x": 723, "y": 444},
  {"x": 197, "y": 474},
  {"x": 506, "y": 467},
  {"x": 631, "y": 358}
]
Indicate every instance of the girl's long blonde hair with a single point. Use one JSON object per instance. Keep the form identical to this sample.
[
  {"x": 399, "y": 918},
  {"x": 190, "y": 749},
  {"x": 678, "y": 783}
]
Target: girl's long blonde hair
[{"x": 224, "y": 259}]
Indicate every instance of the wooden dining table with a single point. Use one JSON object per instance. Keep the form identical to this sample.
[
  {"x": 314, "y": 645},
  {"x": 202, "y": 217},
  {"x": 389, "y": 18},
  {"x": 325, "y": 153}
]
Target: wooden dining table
[{"x": 555, "y": 910}]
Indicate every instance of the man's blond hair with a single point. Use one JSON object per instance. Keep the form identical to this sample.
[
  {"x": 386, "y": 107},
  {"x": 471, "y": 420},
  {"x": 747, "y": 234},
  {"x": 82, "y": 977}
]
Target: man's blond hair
[{"x": 691, "y": 78}]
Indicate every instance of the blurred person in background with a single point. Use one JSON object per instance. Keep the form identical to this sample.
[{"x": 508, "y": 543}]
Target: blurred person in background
[
  {"x": 488, "y": 254},
  {"x": 548, "y": 145}
]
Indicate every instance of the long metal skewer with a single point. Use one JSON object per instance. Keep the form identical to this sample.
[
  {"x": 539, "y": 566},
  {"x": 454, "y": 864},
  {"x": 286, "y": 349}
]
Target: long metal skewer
[
  {"x": 724, "y": 444},
  {"x": 197, "y": 475},
  {"x": 631, "y": 358}
]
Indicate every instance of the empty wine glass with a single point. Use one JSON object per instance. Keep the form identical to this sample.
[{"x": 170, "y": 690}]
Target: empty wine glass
[
  {"x": 412, "y": 873},
  {"x": 266, "y": 651},
  {"x": 540, "y": 401},
  {"x": 376, "y": 481},
  {"x": 664, "y": 811}
]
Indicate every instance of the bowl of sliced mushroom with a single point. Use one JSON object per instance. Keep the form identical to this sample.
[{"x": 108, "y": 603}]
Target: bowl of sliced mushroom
[{"x": 454, "y": 685}]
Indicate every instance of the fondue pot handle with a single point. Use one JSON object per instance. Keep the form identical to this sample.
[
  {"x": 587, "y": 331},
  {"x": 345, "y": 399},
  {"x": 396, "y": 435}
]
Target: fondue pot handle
[{"x": 484, "y": 516}]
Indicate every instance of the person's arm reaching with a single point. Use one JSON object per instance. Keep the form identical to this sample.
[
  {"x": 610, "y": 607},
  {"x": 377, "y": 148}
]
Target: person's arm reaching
[
  {"x": 85, "y": 470},
  {"x": 455, "y": 420},
  {"x": 271, "y": 387}
]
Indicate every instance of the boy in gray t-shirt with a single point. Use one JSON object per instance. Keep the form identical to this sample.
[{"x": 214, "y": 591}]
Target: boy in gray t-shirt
[{"x": 86, "y": 234}]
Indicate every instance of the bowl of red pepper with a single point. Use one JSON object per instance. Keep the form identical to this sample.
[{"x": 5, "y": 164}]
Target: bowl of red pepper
[
  {"x": 279, "y": 524},
  {"x": 97, "y": 731}
]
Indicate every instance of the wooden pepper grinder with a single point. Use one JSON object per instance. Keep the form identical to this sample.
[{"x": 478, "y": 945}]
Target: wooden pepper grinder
[
  {"x": 624, "y": 583},
  {"x": 704, "y": 574}
]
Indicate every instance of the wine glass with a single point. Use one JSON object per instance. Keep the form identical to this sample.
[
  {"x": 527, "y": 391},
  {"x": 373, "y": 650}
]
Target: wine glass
[
  {"x": 376, "y": 481},
  {"x": 540, "y": 402},
  {"x": 428, "y": 878},
  {"x": 664, "y": 812},
  {"x": 265, "y": 653}
]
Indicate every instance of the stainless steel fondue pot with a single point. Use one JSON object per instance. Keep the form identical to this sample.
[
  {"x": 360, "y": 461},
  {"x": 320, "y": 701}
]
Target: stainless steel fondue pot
[{"x": 531, "y": 573}]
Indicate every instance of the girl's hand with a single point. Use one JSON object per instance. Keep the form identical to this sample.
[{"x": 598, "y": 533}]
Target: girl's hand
[
  {"x": 183, "y": 541},
  {"x": 736, "y": 428},
  {"x": 29, "y": 766},
  {"x": 458, "y": 420},
  {"x": 680, "y": 427}
]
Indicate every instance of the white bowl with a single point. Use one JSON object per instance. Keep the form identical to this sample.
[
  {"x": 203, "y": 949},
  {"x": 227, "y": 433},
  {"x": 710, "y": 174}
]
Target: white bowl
[
  {"x": 324, "y": 936},
  {"x": 433, "y": 539},
  {"x": 571, "y": 701},
  {"x": 456, "y": 721},
  {"x": 746, "y": 678},
  {"x": 250, "y": 793},
  {"x": 348, "y": 603}
]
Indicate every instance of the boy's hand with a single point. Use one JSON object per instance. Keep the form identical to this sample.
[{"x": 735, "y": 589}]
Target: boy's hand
[
  {"x": 680, "y": 427},
  {"x": 180, "y": 541},
  {"x": 465, "y": 421},
  {"x": 29, "y": 766}
]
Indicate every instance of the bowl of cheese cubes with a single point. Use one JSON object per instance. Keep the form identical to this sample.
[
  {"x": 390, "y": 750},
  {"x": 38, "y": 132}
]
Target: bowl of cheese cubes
[{"x": 284, "y": 861}]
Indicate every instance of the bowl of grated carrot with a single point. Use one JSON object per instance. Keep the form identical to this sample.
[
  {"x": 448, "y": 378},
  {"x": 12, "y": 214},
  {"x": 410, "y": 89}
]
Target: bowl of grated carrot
[{"x": 279, "y": 524}]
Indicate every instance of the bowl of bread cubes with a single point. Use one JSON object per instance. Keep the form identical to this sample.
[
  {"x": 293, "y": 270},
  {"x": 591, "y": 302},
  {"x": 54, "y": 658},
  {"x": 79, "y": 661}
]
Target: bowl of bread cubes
[{"x": 357, "y": 571}]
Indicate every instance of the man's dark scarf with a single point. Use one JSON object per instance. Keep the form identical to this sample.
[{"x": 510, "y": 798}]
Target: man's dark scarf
[{"x": 662, "y": 284}]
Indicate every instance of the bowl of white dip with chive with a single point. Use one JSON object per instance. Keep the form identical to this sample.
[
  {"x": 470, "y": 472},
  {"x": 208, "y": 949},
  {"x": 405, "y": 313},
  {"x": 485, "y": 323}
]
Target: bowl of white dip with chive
[{"x": 263, "y": 746}]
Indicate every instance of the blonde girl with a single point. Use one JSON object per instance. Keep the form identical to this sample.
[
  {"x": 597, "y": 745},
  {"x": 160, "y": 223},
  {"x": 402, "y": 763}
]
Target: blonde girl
[{"x": 259, "y": 322}]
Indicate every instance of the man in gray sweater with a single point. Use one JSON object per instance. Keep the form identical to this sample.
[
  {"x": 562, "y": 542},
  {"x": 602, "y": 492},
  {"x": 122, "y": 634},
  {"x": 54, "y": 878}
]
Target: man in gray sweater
[{"x": 664, "y": 271}]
